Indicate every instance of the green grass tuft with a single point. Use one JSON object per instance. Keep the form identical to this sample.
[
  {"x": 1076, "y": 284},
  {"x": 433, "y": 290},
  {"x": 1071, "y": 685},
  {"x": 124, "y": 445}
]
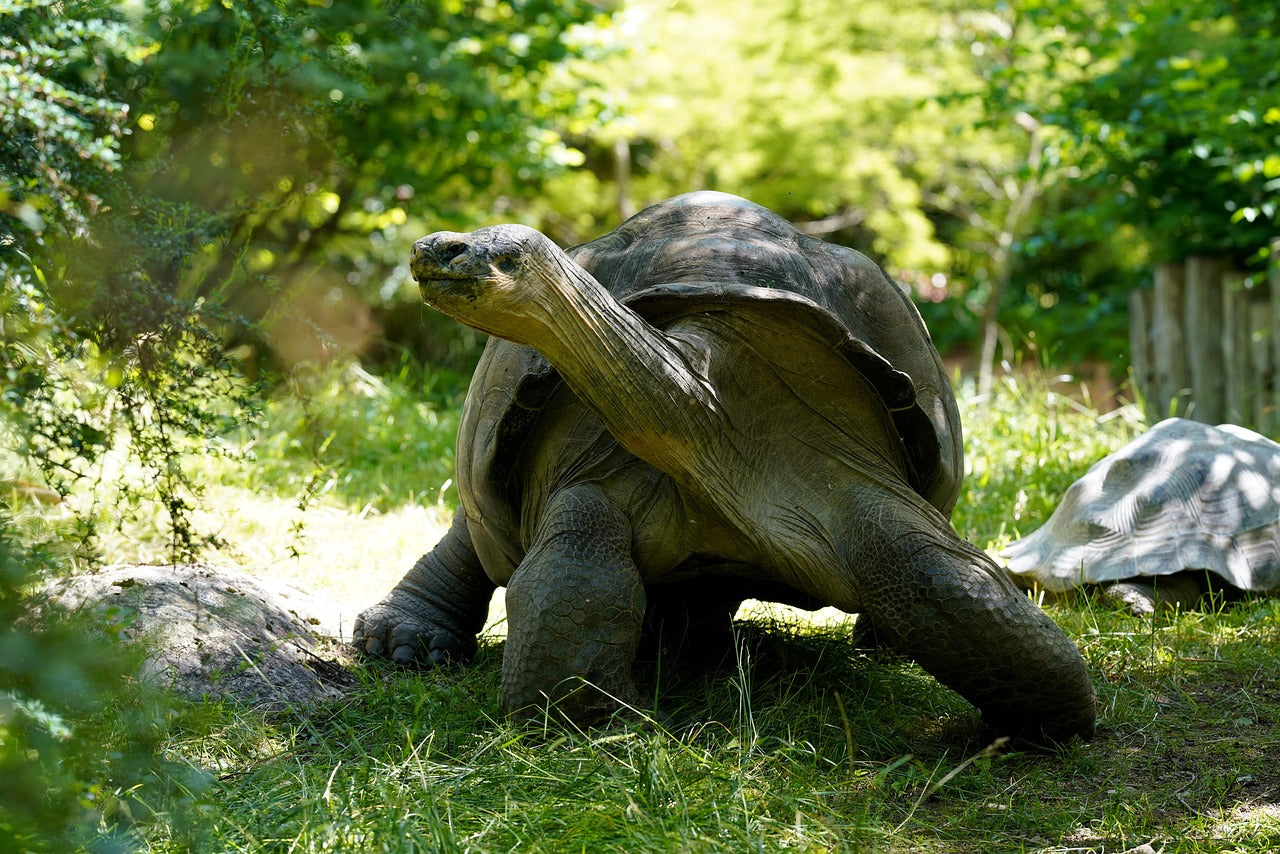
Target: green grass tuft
[
  {"x": 368, "y": 441},
  {"x": 1024, "y": 447}
]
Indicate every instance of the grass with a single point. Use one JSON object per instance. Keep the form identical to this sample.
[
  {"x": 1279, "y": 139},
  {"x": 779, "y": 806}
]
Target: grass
[{"x": 804, "y": 741}]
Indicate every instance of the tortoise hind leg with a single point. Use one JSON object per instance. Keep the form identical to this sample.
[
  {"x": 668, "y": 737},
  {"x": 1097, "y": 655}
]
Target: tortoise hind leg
[
  {"x": 574, "y": 611},
  {"x": 943, "y": 602}
]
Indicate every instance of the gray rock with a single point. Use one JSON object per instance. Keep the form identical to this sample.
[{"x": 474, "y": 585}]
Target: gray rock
[{"x": 220, "y": 633}]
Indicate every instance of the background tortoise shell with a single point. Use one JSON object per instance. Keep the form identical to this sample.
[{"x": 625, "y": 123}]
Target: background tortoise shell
[{"x": 1182, "y": 496}]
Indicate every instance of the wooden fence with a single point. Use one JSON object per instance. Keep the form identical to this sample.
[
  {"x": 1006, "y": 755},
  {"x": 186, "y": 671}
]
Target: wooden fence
[{"x": 1206, "y": 343}]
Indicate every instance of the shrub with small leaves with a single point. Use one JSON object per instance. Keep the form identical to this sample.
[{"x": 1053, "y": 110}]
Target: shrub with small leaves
[{"x": 80, "y": 738}]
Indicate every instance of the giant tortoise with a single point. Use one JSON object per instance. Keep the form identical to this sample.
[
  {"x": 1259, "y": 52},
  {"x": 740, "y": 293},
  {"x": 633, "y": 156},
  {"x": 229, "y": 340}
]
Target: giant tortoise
[
  {"x": 1184, "y": 508},
  {"x": 702, "y": 406}
]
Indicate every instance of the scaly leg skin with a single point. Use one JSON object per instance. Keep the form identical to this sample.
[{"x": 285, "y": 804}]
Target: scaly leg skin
[
  {"x": 1145, "y": 596},
  {"x": 434, "y": 614},
  {"x": 946, "y": 605},
  {"x": 574, "y": 610}
]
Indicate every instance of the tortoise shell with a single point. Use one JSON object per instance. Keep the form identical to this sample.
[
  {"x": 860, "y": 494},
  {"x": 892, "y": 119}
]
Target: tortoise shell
[
  {"x": 1182, "y": 496},
  {"x": 711, "y": 251}
]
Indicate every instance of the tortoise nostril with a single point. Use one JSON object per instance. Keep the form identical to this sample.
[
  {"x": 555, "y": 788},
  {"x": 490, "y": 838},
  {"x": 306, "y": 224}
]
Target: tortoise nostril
[{"x": 448, "y": 251}]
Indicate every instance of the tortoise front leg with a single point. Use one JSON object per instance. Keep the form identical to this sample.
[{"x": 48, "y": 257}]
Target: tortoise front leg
[
  {"x": 434, "y": 614},
  {"x": 1144, "y": 596},
  {"x": 574, "y": 610},
  {"x": 945, "y": 604}
]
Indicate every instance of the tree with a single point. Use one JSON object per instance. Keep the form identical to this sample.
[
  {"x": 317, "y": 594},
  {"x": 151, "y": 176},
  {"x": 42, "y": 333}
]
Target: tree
[
  {"x": 212, "y": 172},
  {"x": 1170, "y": 114},
  {"x": 818, "y": 110},
  {"x": 995, "y": 181},
  {"x": 60, "y": 131},
  {"x": 894, "y": 128},
  {"x": 93, "y": 338},
  {"x": 322, "y": 137}
]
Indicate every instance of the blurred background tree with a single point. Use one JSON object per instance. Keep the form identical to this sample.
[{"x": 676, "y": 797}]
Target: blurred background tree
[
  {"x": 1170, "y": 118},
  {"x": 1017, "y": 166},
  {"x": 324, "y": 136},
  {"x": 775, "y": 103}
]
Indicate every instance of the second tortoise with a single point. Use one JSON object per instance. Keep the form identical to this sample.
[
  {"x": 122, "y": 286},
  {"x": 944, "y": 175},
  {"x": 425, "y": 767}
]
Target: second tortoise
[{"x": 1181, "y": 509}]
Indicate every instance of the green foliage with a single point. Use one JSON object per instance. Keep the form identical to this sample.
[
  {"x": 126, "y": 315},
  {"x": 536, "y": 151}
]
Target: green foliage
[
  {"x": 59, "y": 146},
  {"x": 271, "y": 158},
  {"x": 815, "y": 110},
  {"x": 80, "y": 738},
  {"x": 323, "y": 137},
  {"x": 1169, "y": 115},
  {"x": 61, "y": 127},
  {"x": 1156, "y": 145},
  {"x": 1004, "y": 201},
  {"x": 1025, "y": 446},
  {"x": 97, "y": 338}
]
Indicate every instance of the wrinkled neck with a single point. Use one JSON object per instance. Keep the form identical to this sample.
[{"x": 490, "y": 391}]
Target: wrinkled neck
[{"x": 640, "y": 381}]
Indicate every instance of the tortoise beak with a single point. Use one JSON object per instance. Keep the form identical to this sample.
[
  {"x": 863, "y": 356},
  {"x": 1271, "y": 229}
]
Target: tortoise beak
[{"x": 450, "y": 269}]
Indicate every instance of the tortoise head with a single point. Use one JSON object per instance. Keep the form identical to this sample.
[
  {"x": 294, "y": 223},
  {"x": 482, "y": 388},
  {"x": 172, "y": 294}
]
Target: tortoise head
[{"x": 495, "y": 279}]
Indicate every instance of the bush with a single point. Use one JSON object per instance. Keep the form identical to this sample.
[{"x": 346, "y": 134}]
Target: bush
[{"x": 80, "y": 738}]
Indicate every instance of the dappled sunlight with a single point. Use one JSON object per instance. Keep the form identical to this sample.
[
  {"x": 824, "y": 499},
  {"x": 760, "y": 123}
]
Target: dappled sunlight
[
  {"x": 1250, "y": 821},
  {"x": 352, "y": 557},
  {"x": 777, "y": 612}
]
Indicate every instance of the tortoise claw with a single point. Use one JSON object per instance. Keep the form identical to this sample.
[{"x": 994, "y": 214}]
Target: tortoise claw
[{"x": 400, "y": 630}]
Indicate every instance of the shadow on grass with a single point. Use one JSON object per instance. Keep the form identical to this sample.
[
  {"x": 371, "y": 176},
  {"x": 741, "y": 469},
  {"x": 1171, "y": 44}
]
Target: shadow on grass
[{"x": 775, "y": 682}]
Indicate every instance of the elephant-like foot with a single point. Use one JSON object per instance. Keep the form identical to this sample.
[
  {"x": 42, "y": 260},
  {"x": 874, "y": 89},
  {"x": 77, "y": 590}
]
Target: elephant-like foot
[
  {"x": 406, "y": 630},
  {"x": 942, "y": 602},
  {"x": 433, "y": 615},
  {"x": 574, "y": 611}
]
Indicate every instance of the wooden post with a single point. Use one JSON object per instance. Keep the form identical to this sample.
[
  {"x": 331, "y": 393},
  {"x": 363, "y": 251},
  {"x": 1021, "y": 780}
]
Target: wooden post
[
  {"x": 1172, "y": 378},
  {"x": 1262, "y": 366},
  {"x": 1204, "y": 338},
  {"x": 1140, "y": 356},
  {"x": 1239, "y": 381},
  {"x": 1273, "y": 330}
]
